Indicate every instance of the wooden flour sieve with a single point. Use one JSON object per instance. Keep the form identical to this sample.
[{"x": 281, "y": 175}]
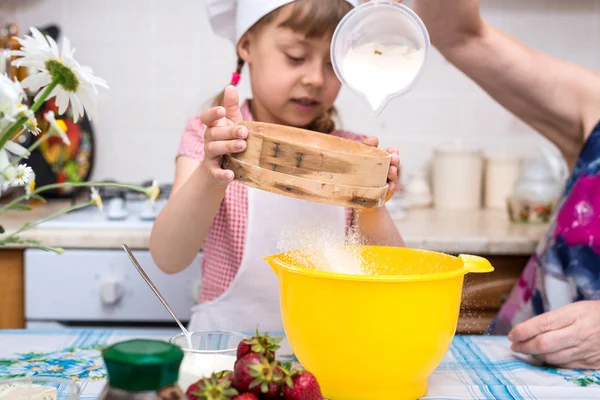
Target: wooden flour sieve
[{"x": 311, "y": 166}]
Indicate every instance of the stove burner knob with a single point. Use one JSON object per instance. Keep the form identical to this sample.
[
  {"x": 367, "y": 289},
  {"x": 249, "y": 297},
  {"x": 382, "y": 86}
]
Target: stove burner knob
[
  {"x": 111, "y": 292},
  {"x": 148, "y": 212},
  {"x": 116, "y": 209}
]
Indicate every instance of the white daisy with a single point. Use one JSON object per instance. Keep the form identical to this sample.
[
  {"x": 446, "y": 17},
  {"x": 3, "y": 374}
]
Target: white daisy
[
  {"x": 7, "y": 171},
  {"x": 11, "y": 97},
  {"x": 31, "y": 124},
  {"x": 15, "y": 149},
  {"x": 153, "y": 191},
  {"x": 4, "y": 161},
  {"x": 96, "y": 199},
  {"x": 72, "y": 83},
  {"x": 29, "y": 188},
  {"x": 23, "y": 175},
  {"x": 57, "y": 127}
]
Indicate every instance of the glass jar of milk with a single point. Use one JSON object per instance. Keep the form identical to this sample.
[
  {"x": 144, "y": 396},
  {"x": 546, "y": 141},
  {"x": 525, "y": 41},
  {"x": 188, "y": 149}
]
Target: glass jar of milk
[{"x": 211, "y": 352}]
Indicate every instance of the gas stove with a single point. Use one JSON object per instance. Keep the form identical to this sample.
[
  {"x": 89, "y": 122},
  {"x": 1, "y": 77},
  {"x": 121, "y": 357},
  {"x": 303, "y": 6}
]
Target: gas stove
[{"x": 123, "y": 208}]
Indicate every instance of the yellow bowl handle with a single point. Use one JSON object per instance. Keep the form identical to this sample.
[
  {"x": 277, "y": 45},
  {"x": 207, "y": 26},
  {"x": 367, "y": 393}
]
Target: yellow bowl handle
[{"x": 475, "y": 264}]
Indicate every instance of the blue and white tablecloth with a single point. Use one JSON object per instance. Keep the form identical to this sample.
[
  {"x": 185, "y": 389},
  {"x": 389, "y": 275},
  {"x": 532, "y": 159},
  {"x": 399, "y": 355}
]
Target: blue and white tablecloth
[{"x": 475, "y": 367}]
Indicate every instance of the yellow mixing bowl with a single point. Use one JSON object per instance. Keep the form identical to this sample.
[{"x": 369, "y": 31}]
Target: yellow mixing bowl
[{"x": 376, "y": 336}]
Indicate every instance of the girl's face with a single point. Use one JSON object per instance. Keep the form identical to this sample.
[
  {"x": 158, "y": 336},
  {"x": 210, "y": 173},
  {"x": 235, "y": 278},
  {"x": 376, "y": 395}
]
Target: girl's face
[{"x": 291, "y": 75}]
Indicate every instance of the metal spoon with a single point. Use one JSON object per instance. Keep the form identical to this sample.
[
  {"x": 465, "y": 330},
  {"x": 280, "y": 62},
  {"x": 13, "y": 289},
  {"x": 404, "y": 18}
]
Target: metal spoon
[{"x": 137, "y": 265}]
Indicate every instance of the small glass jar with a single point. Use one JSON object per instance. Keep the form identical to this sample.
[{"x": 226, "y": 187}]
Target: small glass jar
[
  {"x": 142, "y": 369},
  {"x": 535, "y": 194},
  {"x": 211, "y": 352}
]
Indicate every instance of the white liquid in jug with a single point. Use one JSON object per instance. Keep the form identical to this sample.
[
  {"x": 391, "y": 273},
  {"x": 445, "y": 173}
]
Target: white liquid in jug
[{"x": 378, "y": 71}]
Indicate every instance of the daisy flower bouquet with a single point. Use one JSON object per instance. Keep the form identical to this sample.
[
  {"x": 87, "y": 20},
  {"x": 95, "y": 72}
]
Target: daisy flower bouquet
[{"x": 54, "y": 74}]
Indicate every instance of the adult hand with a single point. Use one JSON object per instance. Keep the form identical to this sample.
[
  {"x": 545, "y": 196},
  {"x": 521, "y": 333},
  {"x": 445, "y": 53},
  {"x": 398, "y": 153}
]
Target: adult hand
[
  {"x": 448, "y": 21},
  {"x": 568, "y": 337}
]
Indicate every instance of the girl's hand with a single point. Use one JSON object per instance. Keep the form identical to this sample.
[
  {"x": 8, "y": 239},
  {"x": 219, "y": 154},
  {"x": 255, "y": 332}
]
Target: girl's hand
[
  {"x": 394, "y": 171},
  {"x": 222, "y": 135}
]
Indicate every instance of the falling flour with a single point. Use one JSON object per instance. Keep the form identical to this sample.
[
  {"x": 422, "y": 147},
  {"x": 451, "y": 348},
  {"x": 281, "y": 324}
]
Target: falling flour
[
  {"x": 378, "y": 71},
  {"x": 324, "y": 250}
]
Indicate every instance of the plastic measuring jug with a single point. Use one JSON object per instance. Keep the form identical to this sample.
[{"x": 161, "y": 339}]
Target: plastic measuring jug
[{"x": 379, "y": 50}]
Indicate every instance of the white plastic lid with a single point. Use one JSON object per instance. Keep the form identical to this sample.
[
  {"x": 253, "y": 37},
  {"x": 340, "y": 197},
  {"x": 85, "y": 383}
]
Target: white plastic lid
[
  {"x": 378, "y": 50},
  {"x": 457, "y": 146},
  {"x": 537, "y": 171}
]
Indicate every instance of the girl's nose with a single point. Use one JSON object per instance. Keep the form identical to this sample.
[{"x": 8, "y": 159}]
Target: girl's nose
[{"x": 314, "y": 75}]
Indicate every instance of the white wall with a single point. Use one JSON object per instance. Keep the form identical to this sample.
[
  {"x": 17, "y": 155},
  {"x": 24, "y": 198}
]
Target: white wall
[{"x": 163, "y": 63}]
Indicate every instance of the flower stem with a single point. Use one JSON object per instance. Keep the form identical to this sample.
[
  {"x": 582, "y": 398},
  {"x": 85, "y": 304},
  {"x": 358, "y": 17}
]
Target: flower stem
[
  {"x": 38, "y": 103},
  {"x": 8, "y": 134},
  {"x": 70, "y": 184},
  {"x": 31, "y": 148},
  {"x": 17, "y": 134},
  {"x": 36, "y": 243},
  {"x": 29, "y": 225}
]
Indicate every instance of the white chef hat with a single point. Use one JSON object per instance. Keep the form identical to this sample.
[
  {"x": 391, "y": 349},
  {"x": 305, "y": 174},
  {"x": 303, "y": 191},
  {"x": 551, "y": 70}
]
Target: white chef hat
[{"x": 232, "y": 18}]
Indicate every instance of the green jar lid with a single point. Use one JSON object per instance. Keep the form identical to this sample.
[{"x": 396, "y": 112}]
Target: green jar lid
[{"x": 140, "y": 365}]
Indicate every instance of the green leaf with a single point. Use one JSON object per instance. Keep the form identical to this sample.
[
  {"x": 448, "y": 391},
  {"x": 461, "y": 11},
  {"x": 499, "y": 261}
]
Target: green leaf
[
  {"x": 20, "y": 207},
  {"x": 32, "y": 241},
  {"x": 38, "y": 197},
  {"x": 57, "y": 250},
  {"x": 9, "y": 240},
  {"x": 2, "y": 229}
]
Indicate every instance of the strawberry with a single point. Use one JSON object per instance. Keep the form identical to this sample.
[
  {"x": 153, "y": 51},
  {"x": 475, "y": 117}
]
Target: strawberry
[
  {"x": 274, "y": 392},
  {"x": 193, "y": 391},
  {"x": 227, "y": 376},
  {"x": 193, "y": 388},
  {"x": 242, "y": 379},
  {"x": 281, "y": 377},
  {"x": 216, "y": 387},
  {"x": 244, "y": 348},
  {"x": 283, "y": 373},
  {"x": 261, "y": 344},
  {"x": 246, "y": 396},
  {"x": 256, "y": 374},
  {"x": 304, "y": 387}
]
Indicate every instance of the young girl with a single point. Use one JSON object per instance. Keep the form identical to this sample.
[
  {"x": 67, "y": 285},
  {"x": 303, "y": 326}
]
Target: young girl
[{"x": 286, "y": 45}]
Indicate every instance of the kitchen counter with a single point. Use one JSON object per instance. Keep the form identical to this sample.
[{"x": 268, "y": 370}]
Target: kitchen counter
[
  {"x": 482, "y": 232},
  {"x": 473, "y": 367},
  {"x": 487, "y": 233},
  {"x": 105, "y": 238}
]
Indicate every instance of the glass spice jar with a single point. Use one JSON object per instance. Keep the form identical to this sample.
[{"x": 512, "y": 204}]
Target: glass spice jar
[{"x": 142, "y": 369}]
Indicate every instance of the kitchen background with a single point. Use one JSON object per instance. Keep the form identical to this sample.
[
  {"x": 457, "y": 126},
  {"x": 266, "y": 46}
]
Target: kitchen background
[{"x": 163, "y": 64}]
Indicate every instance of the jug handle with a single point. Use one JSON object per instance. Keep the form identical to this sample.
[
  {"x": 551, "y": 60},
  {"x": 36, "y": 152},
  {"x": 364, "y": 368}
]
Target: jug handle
[{"x": 475, "y": 264}]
